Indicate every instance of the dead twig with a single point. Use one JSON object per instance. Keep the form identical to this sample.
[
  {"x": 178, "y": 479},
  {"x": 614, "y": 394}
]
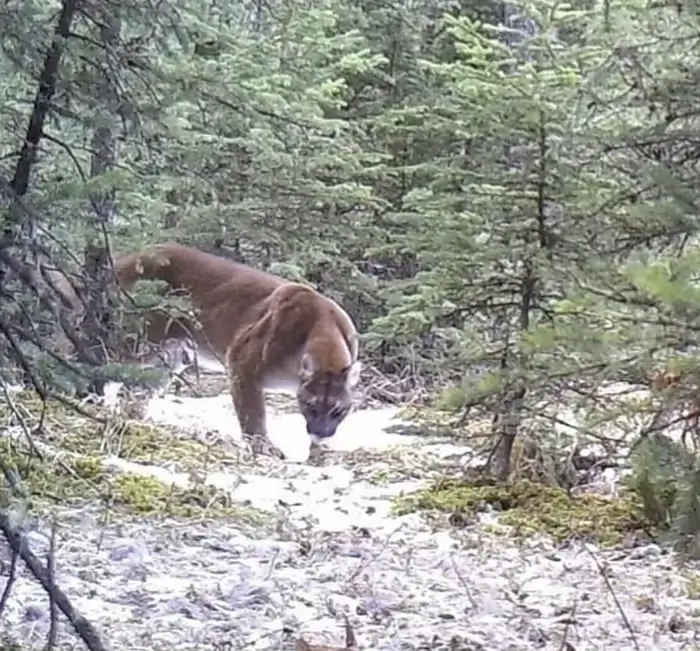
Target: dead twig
[
  {"x": 565, "y": 646},
  {"x": 350, "y": 641},
  {"x": 10, "y": 582},
  {"x": 18, "y": 543},
  {"x": 20, "y": 419},
  {"x": 53, "y": 609},
  {"x": 618, "y": 605}
]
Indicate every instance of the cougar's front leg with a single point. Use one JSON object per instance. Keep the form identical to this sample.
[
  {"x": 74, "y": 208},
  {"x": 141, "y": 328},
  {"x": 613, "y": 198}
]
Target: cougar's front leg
[{"x": 249, "y": 403}]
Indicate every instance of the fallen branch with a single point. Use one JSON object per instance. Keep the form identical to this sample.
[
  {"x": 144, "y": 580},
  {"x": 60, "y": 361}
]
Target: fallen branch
[{"x": 18, "y": 544}]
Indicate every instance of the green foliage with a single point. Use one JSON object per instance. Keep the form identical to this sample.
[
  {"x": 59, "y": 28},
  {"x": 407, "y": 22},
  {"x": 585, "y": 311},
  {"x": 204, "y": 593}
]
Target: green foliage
[
  {"x": 657, "y": 464},
  {"x": 667, "y": 478},
  {"x": 496, "y": 213}
]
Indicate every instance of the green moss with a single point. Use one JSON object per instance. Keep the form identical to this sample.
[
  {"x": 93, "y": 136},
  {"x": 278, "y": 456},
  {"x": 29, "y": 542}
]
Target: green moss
[
  {"x": 70, "y": 470},
  {"x": 71, "y": 432},
  {"x": 89, "y": 468},
  {"x": 379, "y": 477},
  {"x": 145, "y": 443},
  {"x": 530, "y": 507},
  {"x": 693, "y": 586},
  {"x": 147, "y": 495},
  {"x": 83, "y": 480}
]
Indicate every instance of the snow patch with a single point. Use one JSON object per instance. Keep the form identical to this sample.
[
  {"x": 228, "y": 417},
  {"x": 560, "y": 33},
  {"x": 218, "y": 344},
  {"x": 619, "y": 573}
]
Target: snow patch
[
  {"x": 364, "y": 429},
  {"x": 310, "y": 491}
]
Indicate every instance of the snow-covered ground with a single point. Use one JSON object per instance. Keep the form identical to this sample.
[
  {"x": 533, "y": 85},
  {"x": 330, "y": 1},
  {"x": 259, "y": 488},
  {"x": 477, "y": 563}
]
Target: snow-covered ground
[
  {"x": 361, "y": 429},
  {"x": 332, "y": 547}
]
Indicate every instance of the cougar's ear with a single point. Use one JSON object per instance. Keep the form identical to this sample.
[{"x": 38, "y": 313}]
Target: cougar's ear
[
  {"x": 307, "y": 367},
  {"x": 354, "y": 374}
]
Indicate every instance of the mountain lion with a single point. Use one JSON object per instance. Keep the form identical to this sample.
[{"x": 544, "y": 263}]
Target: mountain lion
[{"x": 270, "y": 333}]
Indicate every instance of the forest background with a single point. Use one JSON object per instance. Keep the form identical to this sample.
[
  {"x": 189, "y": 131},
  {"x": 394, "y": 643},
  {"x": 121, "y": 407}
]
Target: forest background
[{"x": 503, "y": 198}]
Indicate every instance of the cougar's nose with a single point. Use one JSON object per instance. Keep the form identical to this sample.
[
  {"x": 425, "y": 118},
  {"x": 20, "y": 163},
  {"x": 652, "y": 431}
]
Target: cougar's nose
[{"x": 322, "y": 430}]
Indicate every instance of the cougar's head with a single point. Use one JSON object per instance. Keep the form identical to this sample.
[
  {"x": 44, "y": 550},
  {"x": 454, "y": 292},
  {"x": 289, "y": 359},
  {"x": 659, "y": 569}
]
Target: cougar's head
[{"x": 325, "y": 397}]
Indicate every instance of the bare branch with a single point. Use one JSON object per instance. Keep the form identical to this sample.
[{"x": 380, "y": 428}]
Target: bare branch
[{"x": 19, "y": 545}]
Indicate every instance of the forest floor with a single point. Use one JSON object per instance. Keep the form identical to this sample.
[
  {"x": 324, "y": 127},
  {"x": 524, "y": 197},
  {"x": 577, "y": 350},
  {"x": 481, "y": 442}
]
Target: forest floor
[{"x": 292, "y": 547}]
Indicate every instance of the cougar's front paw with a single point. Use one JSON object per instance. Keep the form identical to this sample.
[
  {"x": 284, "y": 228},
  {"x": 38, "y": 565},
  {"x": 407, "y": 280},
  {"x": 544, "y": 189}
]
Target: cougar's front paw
[
  {"x": 262, "y": 445},
  {"x": 317, "y": 455}
]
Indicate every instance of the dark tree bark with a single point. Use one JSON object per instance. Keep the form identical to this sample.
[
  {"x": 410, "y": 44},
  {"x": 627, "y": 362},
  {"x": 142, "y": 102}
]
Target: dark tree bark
[
  {"x": 42, "y": 102},
  {"x": 507, "y": 422},
  {"x": 98, "y": 326},
  {"x": 19, "y": 222}
]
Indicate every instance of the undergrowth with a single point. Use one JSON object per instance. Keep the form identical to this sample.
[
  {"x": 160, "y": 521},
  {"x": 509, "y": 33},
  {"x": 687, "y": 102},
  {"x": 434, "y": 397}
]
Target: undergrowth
[{"x": 63, "y": 459}]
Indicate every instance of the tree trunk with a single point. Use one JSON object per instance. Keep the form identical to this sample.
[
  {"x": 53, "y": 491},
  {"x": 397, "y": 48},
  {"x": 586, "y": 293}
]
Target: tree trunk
[
  {"x": 42, "y": 103},
  {"x": 507, "y": 422},
  {"x": 19, "y": 221},
  {"x": 99, "y": 323}
]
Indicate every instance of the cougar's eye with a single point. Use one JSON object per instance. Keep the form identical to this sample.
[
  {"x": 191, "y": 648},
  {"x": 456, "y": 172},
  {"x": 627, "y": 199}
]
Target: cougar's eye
[{"x": 337, "y": 412}]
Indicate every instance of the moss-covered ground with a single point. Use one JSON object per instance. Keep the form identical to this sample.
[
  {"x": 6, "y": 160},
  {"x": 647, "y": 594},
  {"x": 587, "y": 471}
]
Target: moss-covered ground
[
  {"x": 529, "y": 503},
  {"x": 527, "y": 508},
  {"x": 62, "y": 462}
]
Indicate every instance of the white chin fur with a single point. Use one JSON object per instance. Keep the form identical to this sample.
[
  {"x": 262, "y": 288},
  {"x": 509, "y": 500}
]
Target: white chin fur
[
  {"x": 315, "y": 440},
  {"x": 354, "y": 374}
]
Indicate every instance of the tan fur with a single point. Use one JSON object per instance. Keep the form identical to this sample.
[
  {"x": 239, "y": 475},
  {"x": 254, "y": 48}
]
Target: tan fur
[{"x": 270, "y": 334}]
